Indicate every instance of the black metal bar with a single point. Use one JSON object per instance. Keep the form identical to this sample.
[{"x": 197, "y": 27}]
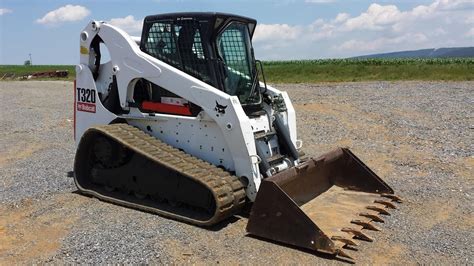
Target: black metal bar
[{"x": 284, "y": 137}]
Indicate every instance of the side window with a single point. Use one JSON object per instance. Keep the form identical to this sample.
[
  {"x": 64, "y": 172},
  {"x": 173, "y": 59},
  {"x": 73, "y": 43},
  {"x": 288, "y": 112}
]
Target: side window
[
  {"x": 233, "y": 44},
  {"x": 179, "y": 43},
  {"x": 161, "y": 42},
  {"x": 233, "y": 50}
]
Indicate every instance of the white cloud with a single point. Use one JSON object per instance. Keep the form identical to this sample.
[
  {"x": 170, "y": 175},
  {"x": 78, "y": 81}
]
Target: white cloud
[
  {"x": 375, "y": 18},
  {"x": 470, "y": 33},
  {"x": 4, "y": 11},
  {"x": 383, "y": 42},
  {"x": 380, "y": 28},
  {"x": 317, "y": 23},
  {"x": 470, "y": 19},
  {"x": 341, "y": 17},
  {"x": 65, "y": 13},
  {"x": 439, "y": 32},
  {"x": 453, "y": 4},
  {"x": 276, "y": 32},
  {"x": 379, "y": 17},
  {"x": 128, "y": 24}
]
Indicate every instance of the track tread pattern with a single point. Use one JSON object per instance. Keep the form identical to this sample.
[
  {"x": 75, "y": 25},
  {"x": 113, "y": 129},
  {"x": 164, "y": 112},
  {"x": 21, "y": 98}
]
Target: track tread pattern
[{"x": 227, "y": 189}]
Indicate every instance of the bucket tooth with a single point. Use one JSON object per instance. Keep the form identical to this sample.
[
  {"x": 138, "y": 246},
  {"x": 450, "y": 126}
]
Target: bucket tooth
[
  {"x": 357, "y": 234},
  {"x": 352, "y": 248},
  {"x": 344, "y": 240},
  {"x": 392, "y": 197},
  {"x": 365, "y": 225},
  {"x": 386, "y": 204},
  {"x": 344, "y": 254},
  {"x": 378, "y": 209},
  {"x": 373, "y": 217}
]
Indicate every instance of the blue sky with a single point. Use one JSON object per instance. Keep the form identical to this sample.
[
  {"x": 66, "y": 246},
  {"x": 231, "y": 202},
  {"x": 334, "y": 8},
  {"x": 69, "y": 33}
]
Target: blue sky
[{"x": 289, "y": 29}]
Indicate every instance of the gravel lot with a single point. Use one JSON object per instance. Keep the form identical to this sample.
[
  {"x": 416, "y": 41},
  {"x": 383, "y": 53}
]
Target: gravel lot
[{"x": 417, "y": 135}]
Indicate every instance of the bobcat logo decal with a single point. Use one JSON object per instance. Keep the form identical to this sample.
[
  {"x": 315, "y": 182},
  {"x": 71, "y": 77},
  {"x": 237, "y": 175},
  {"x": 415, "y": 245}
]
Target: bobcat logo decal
[{"x": 220, "y": 108}]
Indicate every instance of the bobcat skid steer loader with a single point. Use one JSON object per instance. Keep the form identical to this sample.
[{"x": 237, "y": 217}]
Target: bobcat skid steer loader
[{"x": 180, "y": 122}]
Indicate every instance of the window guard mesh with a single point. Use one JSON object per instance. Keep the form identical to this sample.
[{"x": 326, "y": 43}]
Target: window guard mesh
[{"x": 180, "y": 45}]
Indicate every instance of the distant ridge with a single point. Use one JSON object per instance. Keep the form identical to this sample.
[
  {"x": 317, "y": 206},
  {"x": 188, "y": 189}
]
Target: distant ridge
[{"x": 426, "y": 53}]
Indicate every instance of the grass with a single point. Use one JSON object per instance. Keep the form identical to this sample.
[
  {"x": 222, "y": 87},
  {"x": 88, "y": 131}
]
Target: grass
[
  {"x": 329, "y": 70},
  {"x": 344, "y": 70},
  {"x": 20, "y": 70}
]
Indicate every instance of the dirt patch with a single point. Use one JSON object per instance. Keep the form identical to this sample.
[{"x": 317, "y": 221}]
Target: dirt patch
[
  {"x": 33, "y": 230},
  {"x": 18, "y": 151},
  {"x": 437, "y": 212},
  {"x": 180, "y": 252},
  {"x": 387, "y": 254},
  {"x": 465, "y": 167},
  {"x": 441, "y": 213},
  {"x": 342, "y": 113}
]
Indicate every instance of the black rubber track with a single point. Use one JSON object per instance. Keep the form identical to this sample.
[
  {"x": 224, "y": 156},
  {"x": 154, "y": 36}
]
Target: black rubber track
[{"x": 226, "y": 190}]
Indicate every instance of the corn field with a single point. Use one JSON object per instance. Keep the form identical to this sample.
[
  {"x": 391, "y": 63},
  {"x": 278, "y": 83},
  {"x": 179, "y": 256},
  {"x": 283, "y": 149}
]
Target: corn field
[
  {"x": 367, "y": 69},
  {"x": 377, "y": 61}
]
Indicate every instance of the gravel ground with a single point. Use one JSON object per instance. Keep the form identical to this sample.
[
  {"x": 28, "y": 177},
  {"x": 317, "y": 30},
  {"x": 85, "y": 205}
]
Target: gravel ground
[{"x": 417, "y": 135}]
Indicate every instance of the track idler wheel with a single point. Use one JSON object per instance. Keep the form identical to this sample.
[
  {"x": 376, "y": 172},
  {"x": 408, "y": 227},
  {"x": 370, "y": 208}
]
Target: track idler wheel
[{"x": 110, "y": 154}]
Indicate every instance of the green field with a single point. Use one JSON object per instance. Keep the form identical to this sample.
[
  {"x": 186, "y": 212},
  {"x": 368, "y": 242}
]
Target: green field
[
  {"x": 330, "y": 70},
  {"x": 20, "y": 70},
  {"x": 336, "y": 70}
]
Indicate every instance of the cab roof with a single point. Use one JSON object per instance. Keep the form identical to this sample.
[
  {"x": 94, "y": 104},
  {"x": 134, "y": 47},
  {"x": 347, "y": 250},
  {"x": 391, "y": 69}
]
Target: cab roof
[{"x": 216, "y": 18}]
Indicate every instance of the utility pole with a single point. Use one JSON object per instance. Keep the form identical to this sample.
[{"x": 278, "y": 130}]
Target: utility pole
[{"x": 31, "y": 62}]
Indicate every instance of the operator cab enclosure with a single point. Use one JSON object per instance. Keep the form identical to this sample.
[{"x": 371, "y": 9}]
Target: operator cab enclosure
[{"x": 215, "y": 48}]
